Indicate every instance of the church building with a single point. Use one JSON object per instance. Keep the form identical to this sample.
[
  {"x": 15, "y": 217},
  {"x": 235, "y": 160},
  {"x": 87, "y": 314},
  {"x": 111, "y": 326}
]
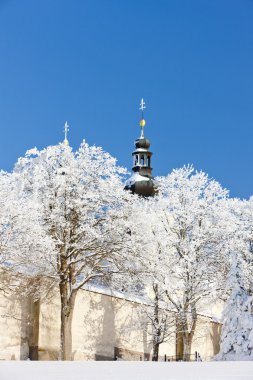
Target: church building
[{"x": 106, "y": 323}]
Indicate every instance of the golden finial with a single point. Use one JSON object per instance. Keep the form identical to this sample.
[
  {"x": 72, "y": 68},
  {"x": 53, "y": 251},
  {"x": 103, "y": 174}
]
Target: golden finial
[
  {"x": 66, "y": 129},
  {"x": 142, "y": 121}
]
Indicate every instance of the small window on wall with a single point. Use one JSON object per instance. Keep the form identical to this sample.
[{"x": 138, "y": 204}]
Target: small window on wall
[
  {"x": 142, "y": 160},
  {"x": 149, "y": 161}
]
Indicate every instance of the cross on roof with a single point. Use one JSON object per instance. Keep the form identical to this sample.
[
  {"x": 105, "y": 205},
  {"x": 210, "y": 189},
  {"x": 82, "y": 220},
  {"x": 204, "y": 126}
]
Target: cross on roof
[{"x": 142, "y": 105}]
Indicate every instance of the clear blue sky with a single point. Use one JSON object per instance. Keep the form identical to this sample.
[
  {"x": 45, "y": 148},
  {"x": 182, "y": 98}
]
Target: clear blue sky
[{"x": 90, "y": 62}]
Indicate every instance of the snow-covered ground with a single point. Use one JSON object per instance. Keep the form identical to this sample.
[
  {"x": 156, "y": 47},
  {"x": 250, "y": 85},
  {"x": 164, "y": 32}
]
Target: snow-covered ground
[{"x": 126, "y": 371}]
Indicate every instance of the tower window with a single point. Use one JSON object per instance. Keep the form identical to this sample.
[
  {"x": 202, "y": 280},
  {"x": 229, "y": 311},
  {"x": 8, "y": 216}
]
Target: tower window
[
  {"x": 149, "y": 161},
  {"x": 142, "y": 160}
]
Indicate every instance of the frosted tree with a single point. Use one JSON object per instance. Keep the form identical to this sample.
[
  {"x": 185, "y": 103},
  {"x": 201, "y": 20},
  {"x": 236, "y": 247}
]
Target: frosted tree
[
  {"x": 194, "y": 228},
  {"x": 23, "y": 244},
  {"x": 149, "y": 271},
  {"x": 237, "y": 329},
  {"x": 4, "y": 228},
  {"x": 182, "y": 239},
  {"x": 22, "y": 240},
  {"x": 75, "y": 196},
  {"x": 158, "y": 320}
]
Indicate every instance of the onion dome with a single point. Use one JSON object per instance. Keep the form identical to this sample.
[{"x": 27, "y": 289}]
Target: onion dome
[{"x": 142, "y": 143}]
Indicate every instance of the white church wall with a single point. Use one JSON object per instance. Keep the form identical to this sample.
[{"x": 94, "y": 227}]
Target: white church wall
[
  {"x": 13, "y": 343},
  {"x": 103, "y": 326}
]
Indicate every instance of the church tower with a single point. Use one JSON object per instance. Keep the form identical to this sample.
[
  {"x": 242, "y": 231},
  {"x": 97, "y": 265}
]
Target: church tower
[{"x": 141, "y": 182}]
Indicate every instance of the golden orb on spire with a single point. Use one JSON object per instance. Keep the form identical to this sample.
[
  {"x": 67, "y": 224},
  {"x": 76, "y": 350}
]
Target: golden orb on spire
[{"x": 142, "y": 123}]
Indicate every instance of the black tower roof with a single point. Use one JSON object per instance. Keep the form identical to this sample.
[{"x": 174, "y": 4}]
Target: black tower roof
[{"x": 141, "y": 182}]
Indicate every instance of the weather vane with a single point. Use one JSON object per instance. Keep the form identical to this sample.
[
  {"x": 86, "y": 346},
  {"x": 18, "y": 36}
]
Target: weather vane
[
  {"x": 142, "y": 121},
  {"x": 66, "y": 129}
]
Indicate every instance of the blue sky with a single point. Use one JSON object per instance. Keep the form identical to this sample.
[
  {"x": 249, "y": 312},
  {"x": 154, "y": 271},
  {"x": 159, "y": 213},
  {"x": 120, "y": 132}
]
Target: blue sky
[{"x": 90, "y": 62}]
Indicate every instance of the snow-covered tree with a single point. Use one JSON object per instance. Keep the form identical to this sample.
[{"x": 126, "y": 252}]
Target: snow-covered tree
[
  {"x": 158, "y": 321},
  {"x": 193, "y": 220},
  {"x": 75, "y": 198},
  {"x": 4, "y": 221},
  {"x": 237, "y": 329},
  {"x": 23, "y": 244},
  {"x": 181, "y": 235},
  {"x": 22, "y": 240},
  {"x": 143, "y": 273}
]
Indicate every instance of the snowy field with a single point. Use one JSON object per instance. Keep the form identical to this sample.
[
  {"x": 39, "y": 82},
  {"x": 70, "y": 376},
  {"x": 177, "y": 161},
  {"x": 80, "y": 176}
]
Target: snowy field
[{"x": 125, "y": 371}]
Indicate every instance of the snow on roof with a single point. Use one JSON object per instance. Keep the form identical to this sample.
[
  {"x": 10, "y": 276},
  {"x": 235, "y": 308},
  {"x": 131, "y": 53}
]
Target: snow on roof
[
  {"x": 142, "y": 300},
  {"x": 140, "y": 150},
  {"x": 117, "y": 294},
  {"x": 136, "y": 177}
]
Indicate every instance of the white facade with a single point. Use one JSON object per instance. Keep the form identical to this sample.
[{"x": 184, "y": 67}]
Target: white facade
[{"x": 103, "y": 327}]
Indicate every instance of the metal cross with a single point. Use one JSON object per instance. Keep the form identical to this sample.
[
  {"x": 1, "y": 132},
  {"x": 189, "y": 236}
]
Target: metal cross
[
  {"x": 66, "y": 129},
  {"x": 142, "y": 106}
]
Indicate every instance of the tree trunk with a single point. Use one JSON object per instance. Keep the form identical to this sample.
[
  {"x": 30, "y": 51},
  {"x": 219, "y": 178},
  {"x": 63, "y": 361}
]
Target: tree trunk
[
  {"x": 179, "y": 341},
  {"x": 33, "y": 329},
  {"x": 157, "y": 331},
  {"x": 187, "y": 340},
  {"x": 155, "y": 355},
  {"x": 67, "y": 308},
  {"x": 188, "y": 336}
]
